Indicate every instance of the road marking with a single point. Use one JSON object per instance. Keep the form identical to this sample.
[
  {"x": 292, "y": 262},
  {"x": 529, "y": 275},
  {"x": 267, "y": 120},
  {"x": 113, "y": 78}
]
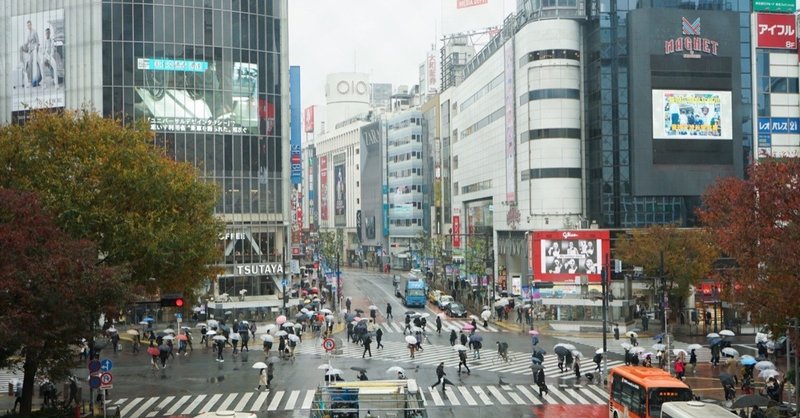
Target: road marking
[
  {"x": 120, "y": 401},
  {"x": 601, "y": 392},
  {"x": 130, "y": 406},
  {"x": 467, "y": 396},
  {"x": 292, "y": 399},
  {"x": 424, "y": 401},
  {"x": 227, "y": 402},
  {"x": 436, "y": 398},
  {"x": 497, "y": 394},
  {"x": 513, "y": 395},
  {"x": 145, "y": 407},
  {"x": 276, "y": 400},
  {"x": 242, "y": 402},
  {"x": 258, "y": 403},
  {"x": 194, "y": 404},
  {"x": 589, "y": 393},
  {"x": 308, "y": 400},
  {"x": 211, "y": 402},
  {"x": 161, "y": 406},
  {"x": 482, "y": 395},
  {"x": 177, "y": 405},
  {"x": 560, "y": 395},
  {"x": 452, "y": 397},
  {"x": 534, "y": 400}
]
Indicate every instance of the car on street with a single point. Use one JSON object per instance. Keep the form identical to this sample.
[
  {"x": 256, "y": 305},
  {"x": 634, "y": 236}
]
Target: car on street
[
  {"x": 444, "y": 300},
  {"x": 433, "y": 295},
  {"x": 456, "y": 310}
]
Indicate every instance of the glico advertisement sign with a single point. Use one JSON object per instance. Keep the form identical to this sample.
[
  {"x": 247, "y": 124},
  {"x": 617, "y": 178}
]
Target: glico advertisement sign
[{"x": 562, "y": 257}]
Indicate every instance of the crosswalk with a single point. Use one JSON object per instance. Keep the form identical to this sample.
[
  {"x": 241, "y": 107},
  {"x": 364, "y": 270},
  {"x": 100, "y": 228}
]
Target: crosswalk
[
  {"x": 615, "y": 346},
  {"x": 6, "y": 377},
  {"x": 457, "y": 324},
  {"x": 520, "y": 363},
  {"x": 283, "y": 400}
]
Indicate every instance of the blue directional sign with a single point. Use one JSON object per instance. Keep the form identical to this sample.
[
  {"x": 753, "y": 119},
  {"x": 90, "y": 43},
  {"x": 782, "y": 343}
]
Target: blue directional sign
[{"x": 106, "y": 365}]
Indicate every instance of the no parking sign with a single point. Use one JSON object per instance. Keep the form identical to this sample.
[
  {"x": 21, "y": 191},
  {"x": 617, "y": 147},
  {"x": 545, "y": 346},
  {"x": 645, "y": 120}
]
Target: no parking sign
[{"x": 328, "y": 344}]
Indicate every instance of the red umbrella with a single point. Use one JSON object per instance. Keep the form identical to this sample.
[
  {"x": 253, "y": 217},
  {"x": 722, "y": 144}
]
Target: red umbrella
[
  {"x": 153, "y": 351},
  {"x": 315, "y": 290},
  {"x": 182, "y": 337}
]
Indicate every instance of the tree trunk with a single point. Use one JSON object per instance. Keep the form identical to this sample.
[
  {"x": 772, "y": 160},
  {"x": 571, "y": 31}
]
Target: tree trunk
[{"x": 28, "y": 389}]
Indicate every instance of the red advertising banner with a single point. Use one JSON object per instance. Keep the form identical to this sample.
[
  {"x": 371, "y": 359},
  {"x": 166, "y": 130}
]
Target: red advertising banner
[
  {"x": 323, "y": 188},
  {"x": 776, "y": 31},
  {"x": 469, "y": 3},
  {"x": 563, "y": 257},
  {"x": 308, "y": 119},
  {"x": 456, "y": 231}
]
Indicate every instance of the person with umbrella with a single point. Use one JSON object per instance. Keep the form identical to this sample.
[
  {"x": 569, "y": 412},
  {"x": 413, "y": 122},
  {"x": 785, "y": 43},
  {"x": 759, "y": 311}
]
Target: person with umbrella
[
  {"x": 680, "y": 368},
  {"x": 378, "y": 337},
  {"x": 362, "y": 375},
  {"x": 164, "y": 351},
  {"x": 693, "y": 361},
  {"x": 412, "y": 345},
  {"x": 440, "y": 377},
  {"x": 418, "y": 336},
  {"x": 267, "y": 344},
  {"x": 373, "y": 312},
  {"x": 204, "y": 337},
  {"x": 367, "y": 341},
  {"x": 540, "y": 382},
  {"x": 462, "y": 360},
  {"x": 220, "y": 347},
  {"x": 728, "y": 386},
  {"x": 244, "y": 335},
  {"x": 438, "y": 325},
  {"x": 561, "y": 357},
  {"x": 453, "y": 337},
  {"x": 154, "y": 353}
]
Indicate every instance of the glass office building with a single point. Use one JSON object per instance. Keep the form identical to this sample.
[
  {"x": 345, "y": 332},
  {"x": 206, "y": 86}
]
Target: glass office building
[{"x": 210, "y": 77}]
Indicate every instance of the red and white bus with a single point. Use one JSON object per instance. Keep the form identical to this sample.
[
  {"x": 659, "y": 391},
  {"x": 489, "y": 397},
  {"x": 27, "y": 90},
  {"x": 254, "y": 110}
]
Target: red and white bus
[{"x": 639, "y": 392}]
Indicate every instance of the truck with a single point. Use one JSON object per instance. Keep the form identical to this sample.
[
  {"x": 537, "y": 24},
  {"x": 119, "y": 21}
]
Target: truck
[{"x": 415, "y": 293}]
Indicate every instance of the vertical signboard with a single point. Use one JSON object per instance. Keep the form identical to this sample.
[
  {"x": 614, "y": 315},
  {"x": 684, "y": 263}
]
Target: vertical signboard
[
  {"x": 371, "y": 182},
  {"x": 37, "y": 70},
  {"x": 456, "y": 231},
  {"x": 323, "y": 188},
  {"x": 340, "y": 191},
  {"x": 511, "y": 121},
  {"x": 312, "y": 193},
  {"x": 308, "y": 119},
  {"x": 776, "y": 31},
  {"x": 294, "y": 134}
]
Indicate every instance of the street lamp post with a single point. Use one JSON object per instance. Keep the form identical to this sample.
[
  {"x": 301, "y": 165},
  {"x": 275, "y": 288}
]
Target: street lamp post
[{"x": 604, "y": 293}]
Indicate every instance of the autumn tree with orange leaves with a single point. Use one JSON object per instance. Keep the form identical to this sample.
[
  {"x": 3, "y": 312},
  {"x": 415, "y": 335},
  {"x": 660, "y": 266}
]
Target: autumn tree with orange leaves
[{"x": 756, "y": 221}]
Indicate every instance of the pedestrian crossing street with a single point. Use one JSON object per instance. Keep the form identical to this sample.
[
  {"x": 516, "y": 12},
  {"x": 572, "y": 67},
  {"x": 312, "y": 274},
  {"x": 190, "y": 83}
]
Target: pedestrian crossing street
[
  {"x": 614, "y": 346},
  {"x": 6, "y": 376},
  {"x": 282, "y": 400},
  {"x": 458, "y": 324},
  {"x": 434, "y": 354}
]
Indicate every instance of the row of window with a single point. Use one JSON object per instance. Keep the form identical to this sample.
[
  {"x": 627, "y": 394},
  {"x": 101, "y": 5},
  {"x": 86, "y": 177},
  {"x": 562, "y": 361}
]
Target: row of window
[
  {"x": 396, "y": 142},
  {"x": 405, "y": 173},
  {"x": 567, "y": 133},
  {"x": 405, "y": 222},
  {"x": 416, "y": 205},
  {"x": 543, "y": 94},
  {"x": 475, "y": 187},
  {"x": 484, "y": 122},
  {"x": 405, "y": 123},
  {"x": 497, "y": 81},
  {"x": 413, "y": 155},
  {"x": 549, "y": 54},
  {"x": 268, "y": 7},
  {"x": 406, "y": 189},
  {"x": 551, "y": 173},
  {"x": 778, "y": 85}
]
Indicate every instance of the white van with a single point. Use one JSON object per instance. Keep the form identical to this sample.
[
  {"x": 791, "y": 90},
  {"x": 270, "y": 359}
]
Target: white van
[{"x": 694, "y": 409}]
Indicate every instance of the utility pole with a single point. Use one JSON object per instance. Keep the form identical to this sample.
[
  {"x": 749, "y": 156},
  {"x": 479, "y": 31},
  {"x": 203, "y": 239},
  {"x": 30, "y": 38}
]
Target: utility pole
[{"x": 604, "y": 276}]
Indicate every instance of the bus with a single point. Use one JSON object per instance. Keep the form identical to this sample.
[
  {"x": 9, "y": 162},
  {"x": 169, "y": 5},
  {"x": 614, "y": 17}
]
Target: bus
[
  {"x": 415, "y": 294},
  {"x": 694, "y": 409},
  {"x": 639, "y": 392}
]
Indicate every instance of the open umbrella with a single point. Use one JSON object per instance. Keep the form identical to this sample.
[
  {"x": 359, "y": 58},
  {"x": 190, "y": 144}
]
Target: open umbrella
[
  {"x": 728, "y": 351},
  {"x": 475, "y": 317},
  {"x": 329, "y": 317},
  {"x": 727, "y": 333},
  {"x": 359, "y": 369},
  {"x": 304, "y": 310},
  {"x": 415, "y": 329},
  {"x": 324, "y": 366},
  {"x": 561, "y": 350},
  {"x": 766, "y": 374},
  {"x": 281, "y": 333},
  {"x": 411, "y": 339},
  {"x": 712, "y": 335},
  {"x": 693, "y": 347},
  {"x": 468, "y": 327},
  {"x": 569, "y": 347},
  {"x": 270, "y": 327},
  {"x": 577, "y": 354},
  {"x": 460, "y": 347},
  {"x": 536, "y": 367},
  {"x": 538, "y": 350},
  {"x": 168, "y": 331},
  {"x": 747, "y": 361},
  {"x": 219, "y": 338},
  {"x": 486, "y": 315},
  {"x": 186, "y": 328},
  {"x": 182, "y": 337},
  {"x": 259, "y": 365},
  {"x": 267, "y": 338},
  {"x": 679, "y": 351},
  {"x": 333, "y": 372},
  {"x": 153, "y": 351},
  {"x": 598, "y": 351},
  {"x": 300, "y": 316},
  {"x": 132, "y": 332},
  {"x": 764, "y": 365},
  {"x": 714, "y": 341},
  {"x": 476, "y": 338},
  {"x": 452, "y": 328},
  {"x": 211, "y": 333},
  {"x": 501, "y": 302},
  {"x": 358, "y": 310},
  {"x": 626, "y": 346},
  {"x": 327, "y": 311},
  {"x": 235, "y": 336},
  {"x": 287, "y": 324},
  {"x": 631, "y": 334},
  {"x": 637, "y": 350},
  {"x": 533, "y": 332},
  {"x": 212, "y": 323},
  {"x": 357, "y": 319},
  {"x": 280, "y": 320},
  {"x": 424, "y": 315},
  {"x": 726, "y": 379},
  {"x": 168, "y": 337},
  {"x": 395, "y": 369},
  {"x": 749, "y": 401},
  {"x": 294, "y": 338},
  {"x": 411, "y": 313},
  {"x": 228, "y": 312},
  {"x": 486, "y": 307},
  {"x": 373, "y": 308},
  {"x": 112, "y": 330},
  {"x": 143, "y": 323},
  {"x": 659, "y": 347}
]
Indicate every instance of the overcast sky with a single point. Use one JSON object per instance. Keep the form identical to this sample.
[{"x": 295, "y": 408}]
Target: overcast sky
[{"x": 386, "y": 39}]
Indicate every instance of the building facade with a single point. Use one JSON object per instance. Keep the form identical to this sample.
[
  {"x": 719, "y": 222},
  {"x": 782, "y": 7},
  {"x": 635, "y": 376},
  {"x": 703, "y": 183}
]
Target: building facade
[{"x": 210, "y": 77}]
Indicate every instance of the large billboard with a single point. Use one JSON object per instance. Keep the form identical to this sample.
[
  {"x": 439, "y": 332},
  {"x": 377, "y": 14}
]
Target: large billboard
[
  {"x": 563, "y": 257},
  {"x": 323, "y": 188},
  {"x": 781, "y": 6},
  {"x": 778, "y": 31},
  {"x": 37, "y": 76},
  {"x": 692, "y": 114},
  {"x": 340, "y": 193},
  {"x": 511, "y": 121},
  {"x": 371, "y": 181},
  {"x": 179, "y": 95}
]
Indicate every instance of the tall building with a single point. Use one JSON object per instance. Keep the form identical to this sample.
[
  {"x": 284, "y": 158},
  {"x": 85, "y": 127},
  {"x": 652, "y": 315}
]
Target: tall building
[
  {"x": 210, "y": 77},
  {"x": 381, "y": 99}
]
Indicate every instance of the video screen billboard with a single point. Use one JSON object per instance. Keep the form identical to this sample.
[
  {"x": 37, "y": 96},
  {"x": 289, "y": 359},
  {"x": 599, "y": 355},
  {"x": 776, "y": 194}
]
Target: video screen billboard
[
  {"x": 340, "y": 197},
  {"x": 37, "y": 73},
  {"x": 180, "y": 95},
  {"x": 563, "y": 256},
  {"x": 692, "y": 114}
]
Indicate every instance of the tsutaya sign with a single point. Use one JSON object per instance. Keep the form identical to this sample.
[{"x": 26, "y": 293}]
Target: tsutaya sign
[
  {"x": 259, "y": 269},
  {"x": 691, "y": 43}
]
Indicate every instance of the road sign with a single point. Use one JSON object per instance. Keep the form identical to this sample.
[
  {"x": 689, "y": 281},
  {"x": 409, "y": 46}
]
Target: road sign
[
  {"x": 105, "y": 379},
  {"x": 285, "y": 283},
  {"x": 329, "y": 344},
  {"x": 106, "y": 365},
  {"x": 178, "y": 315},
  {"x": 94, "y": 366},
  {"x": 94, "y": 382}
]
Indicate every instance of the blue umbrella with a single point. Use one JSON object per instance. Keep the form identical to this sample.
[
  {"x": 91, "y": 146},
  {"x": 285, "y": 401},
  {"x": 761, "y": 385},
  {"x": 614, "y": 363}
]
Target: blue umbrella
[
  {"x": 658, "y": 337},
  {"x": 149, "y": 319},
  {"x": 536, "y": 360},
  {"x": 715, "y": 341},
  {"x": 746, "y": 361}
]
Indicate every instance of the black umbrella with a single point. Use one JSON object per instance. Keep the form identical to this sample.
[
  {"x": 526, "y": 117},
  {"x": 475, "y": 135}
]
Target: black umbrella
[
  {"x": 749, "y": 401},
  {"x": 726, "y": 378},
  {"x": 561, "y": 350},
  {"x": 536, "y": 367},
  {"x": 163, "y": 347},
  {"x": 476, "y": 338},
  {"x": 538, "y": 350},
  {"x": 359, "y": 310},
  {"x": 349, "y": 317},
  {"x": 359, "y": 369}
]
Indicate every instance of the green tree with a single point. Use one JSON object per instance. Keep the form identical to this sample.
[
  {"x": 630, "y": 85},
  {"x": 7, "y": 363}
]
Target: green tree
[
  {"x": 688, "y": 256},
  {"x": 53, "y": 290},
  {"x": 331, "y": 244},
  {"x": 108, "y": 183}
]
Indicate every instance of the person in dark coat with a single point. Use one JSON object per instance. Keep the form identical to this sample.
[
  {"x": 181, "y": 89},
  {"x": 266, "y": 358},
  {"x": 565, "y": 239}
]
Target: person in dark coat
[
  {"x": 598, "y": 358},
  {"x": 462, "y": 360},
  {"x": 453, "y": 337},
  {"x": 439, "y": 325},
  {"x": 440, "y": 377},
  {"x": 539, "y": 379},
  {"x": 389, "y": 311},
  {"x": 367, "y": 346},
  {"x": 577, "y": 368},
  {"x": 378, "y": 337},
  {"x": 463, "y": 338}
]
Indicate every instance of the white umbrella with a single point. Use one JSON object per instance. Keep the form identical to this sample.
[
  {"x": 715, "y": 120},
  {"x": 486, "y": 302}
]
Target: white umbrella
[
  {"x": 659, "y": 347},
  {"x": 267, "y": 338},
  {"x": 270, "y": 327},
  {"x": 486, "y": 307},
  {"x": 281, "y": 334},
  {"x": 569, "y": 347},
  {"x": 333, "y": 372},
  {"x": 766, "y": 374},
  {"x": 452, "y": 328},
  {"x": 373, "y": 308},
  {"x": 730, "y": 352},
  {"x": 411, "y": 339},
  {"x": 693, "y": 347},
  {"x": 475, "y": 317},
  {"x": 132, "y": 332},
  {"x": 304, "y": 310},
  {"x": 727, "y": 333},
  {"x": 424, "y": 315},
  {"x": 395, "y": 369},
  {"x": 631, "y": 334},
  {"x": 678, "y": 351},
  {"x": 598, "y": 351},
  {"x": 288, "y": 324},
  {"x": 577, "y": 353},
  {"x": 235, "y": 336},
  {"x": 186, "y": 328},
  {"x": 213, "y": 323},
  {"x": 626, "y": 346},
  {"x": 201, "y": 325},
  {"x": 219, "y": 338},
  {"x": 460, "y": 347},
  {"x": 324, "y": 367},
  {"x": 294, "y": 338},
  {"x": 343, "y": 310},
  {"x": 415, "y": 329},
  {"x": 712, "y": 335},
  {"x": 637, "y": 350},
  {"x": 168, "y": 337},
  {"x": 747, "y": 357},
  {"x": 329, "y": 317},
  {"x": 112, "y": 330},
  {"x": 259, "y": 365},
  {"x": 501, "y": 302},
  {"x": 143, "y": 323},
  {"x": 765, "y": 365},
  {"x": 486, "y": 315},
  {"x": 211, "y": 333}
]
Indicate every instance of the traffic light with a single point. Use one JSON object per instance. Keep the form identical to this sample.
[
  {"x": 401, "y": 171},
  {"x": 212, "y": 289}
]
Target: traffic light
[{"x": 172, "y": 300}]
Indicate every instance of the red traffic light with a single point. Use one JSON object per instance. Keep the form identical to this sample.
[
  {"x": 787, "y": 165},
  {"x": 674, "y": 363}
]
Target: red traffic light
[
  {"x": 179, "y": 302},
  {"x": 172, "y": 300}
]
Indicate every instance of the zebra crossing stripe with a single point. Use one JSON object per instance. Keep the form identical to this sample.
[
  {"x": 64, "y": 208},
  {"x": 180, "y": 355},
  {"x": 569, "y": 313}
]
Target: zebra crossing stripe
[
  {"x": 161, "y": 406},
  {"x": 514, "y": 397},
  {"x": 180, "y": 403},
  {"x": 259, "y": 402},
  {"x": 436, "y": 398},
  {"x": 452, "y": 397},
  {"x": 292, "y": 399},
  {"x": 601, "y": 392},
  {"x": 499, "y": 396},
  {"x": 563, "y": 398},
  {"x": 194, "y": 404},
  {"x": 211, "y": 402},
  {"x": 482, "y": 395},
  {"x": 589, "y": 393},
  {"x": 308, "y": 400},
  {"x": 145, "y": 406},
  {"x": 130, "y": 406},
  {"x": 242, "y": 402},
  {"x": 534, "y": 400},
  {"x": 422, "y": 394},
  {"x": 467, "y": 396},
  {"x": 227, "y": 402},
  {"x": 276, "y": 400}
]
